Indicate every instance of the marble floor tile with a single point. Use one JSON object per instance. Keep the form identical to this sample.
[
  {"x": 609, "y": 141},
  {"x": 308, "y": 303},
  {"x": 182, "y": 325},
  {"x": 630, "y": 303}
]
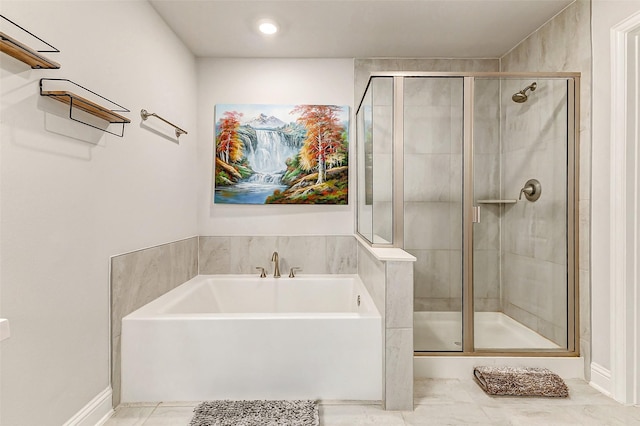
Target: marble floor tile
[
  {"x": 454, "y": 413},
  {"x": 530, "y": 414},
  {"x": 437, "y": 402},
  {"x": 130, "y": 415},
  {"x": 170, "y": 416},
  {"x": 440, "y": 391},
  {"x": 606, "y": 414},
  {"x": 358, "y": 415}
]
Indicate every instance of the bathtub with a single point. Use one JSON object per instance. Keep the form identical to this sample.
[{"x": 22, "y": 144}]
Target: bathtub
[{"x": 245, "y": 337}]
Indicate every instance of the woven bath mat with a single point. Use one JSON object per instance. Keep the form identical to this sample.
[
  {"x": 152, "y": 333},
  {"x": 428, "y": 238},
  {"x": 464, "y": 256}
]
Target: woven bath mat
[
  {"x": 520, "y": 381},
  {"x": 256, "y": 413}
]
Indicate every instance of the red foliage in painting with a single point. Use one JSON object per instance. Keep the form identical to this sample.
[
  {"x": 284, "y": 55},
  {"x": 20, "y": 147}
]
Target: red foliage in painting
[
  {"x": 324, "y": 136},
  {"x": 228, "y": 143}
]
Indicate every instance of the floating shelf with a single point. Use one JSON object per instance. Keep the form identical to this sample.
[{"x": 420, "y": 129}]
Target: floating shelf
[
  {"x": 24, "y": 53},
  {"x": 76, "y": 101},
  {"x": 497, "y": 201}
]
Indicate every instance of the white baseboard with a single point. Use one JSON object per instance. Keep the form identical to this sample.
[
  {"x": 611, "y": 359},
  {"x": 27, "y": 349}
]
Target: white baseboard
[
  {"x": 600, "y": 379},
  {"x": 95, "y": 413}
]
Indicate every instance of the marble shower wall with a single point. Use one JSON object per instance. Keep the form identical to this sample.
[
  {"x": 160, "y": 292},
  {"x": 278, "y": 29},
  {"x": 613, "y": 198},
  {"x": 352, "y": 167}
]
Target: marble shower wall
[
  {"x": 487, "y": 280},
  {"x": 564, "y": 44},
  {"x": 314, "y": 254},
  {"x": 139, "y": 277},
  {"x": 433, "y": 189},
  {"x": 534, "y": 233}
]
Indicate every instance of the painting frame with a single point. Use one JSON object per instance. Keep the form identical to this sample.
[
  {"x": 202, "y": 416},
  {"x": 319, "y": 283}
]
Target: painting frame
[{"x": 281, "y": 154}]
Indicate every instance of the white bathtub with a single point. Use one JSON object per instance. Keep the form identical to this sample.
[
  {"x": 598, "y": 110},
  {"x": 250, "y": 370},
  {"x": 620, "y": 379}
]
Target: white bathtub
[{"x": 244, "y": 337}]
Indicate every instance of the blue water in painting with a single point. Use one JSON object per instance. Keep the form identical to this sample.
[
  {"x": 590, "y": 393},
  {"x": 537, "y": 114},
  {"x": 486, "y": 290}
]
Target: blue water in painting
[{"x": 245, "y": 193}]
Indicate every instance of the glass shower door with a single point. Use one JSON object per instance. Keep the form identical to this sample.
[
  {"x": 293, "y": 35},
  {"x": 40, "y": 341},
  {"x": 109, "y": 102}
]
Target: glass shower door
[
  {"x": 521, "y": 257},
  {"x": 433, "y": 140}
]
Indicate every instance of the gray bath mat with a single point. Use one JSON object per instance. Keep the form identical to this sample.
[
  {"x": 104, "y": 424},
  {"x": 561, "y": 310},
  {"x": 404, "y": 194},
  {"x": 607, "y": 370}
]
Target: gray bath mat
[
  {"x": 256, "y": 413},
  {"x": 520, "y": 381}
]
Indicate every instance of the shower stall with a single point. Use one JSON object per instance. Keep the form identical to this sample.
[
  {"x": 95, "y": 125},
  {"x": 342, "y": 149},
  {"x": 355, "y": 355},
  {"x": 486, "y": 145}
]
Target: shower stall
[{"x": 475, "y": 174}]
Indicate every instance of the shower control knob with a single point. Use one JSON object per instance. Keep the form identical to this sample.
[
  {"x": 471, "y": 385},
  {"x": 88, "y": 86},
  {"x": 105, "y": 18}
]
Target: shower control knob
[{"x": 531, "y": 190}]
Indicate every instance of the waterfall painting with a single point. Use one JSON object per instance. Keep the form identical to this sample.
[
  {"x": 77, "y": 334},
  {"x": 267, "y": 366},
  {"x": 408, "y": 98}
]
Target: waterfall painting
[{"x": 281, "y": 154}]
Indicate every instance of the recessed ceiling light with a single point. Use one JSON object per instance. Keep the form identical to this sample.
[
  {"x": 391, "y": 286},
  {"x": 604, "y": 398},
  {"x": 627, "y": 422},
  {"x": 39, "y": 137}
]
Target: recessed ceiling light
[{"x": 267, "y": 26}]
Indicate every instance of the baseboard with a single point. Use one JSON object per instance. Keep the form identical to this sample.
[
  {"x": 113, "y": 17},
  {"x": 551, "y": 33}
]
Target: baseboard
[
  {"x": 600, "y": 379},
  {"x": 95, "y": 413}
]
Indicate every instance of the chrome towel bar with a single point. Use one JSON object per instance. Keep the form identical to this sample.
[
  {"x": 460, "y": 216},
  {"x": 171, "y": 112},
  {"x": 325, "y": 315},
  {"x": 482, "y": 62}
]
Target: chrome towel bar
[{"x": 145, "y": 114}]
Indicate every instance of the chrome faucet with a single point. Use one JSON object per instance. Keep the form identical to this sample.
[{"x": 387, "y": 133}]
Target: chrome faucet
[{"x": 274, "y": 259}]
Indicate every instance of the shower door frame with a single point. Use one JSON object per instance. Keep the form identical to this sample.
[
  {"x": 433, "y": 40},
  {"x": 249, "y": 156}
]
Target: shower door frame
[{"x": 573, "y": 156}]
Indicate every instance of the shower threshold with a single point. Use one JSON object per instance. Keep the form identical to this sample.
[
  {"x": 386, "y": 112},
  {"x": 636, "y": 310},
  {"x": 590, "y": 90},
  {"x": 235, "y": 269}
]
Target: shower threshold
[{"x": 442, "y": 331}]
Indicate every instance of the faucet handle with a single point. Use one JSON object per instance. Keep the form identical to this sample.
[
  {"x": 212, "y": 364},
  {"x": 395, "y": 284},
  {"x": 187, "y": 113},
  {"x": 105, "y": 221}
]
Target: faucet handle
[
  {"x": 263, "y": 273},
  {"x": 292, "y": 271}
]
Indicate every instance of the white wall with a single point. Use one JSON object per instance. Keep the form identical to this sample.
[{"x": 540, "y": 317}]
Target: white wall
[
  {"x": 73, "y": 196},
  {"x": 270, "y": 81},
  {"x": 606, "y": 14}
]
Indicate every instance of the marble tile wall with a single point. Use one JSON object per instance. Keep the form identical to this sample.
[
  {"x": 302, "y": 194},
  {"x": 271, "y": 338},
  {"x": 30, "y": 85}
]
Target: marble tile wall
[
  {"x": 314, "y": 254},
  {"x": 534, "y": 233},
  {"x": 487, "y": 185},
  {"x": 433, "y": 188},
  {"x": 391, "y": 285},
  {"x": 140, "y": 277},
  {"x": 564, "y": 44}
]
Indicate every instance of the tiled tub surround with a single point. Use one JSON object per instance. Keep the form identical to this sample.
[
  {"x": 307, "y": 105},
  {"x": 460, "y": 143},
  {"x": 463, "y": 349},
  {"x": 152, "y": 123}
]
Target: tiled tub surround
[
  {"x": 314, "y": 254},
  {"x": 139, "y": 277},
  {"x": 388, "y": 276}
]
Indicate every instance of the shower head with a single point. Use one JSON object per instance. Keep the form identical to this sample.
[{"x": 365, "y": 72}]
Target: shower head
[{"x": 521, "y": 96}]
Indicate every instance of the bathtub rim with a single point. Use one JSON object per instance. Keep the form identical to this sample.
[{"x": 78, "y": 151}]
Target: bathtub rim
[{"x": 149, "y": 311}]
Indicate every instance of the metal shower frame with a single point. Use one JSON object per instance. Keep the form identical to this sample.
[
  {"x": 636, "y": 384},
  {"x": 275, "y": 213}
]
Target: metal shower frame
[{"x": 573, "y": 156}]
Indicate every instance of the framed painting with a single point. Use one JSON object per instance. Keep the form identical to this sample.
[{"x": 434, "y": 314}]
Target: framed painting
[{"x": 281, "y": 154}]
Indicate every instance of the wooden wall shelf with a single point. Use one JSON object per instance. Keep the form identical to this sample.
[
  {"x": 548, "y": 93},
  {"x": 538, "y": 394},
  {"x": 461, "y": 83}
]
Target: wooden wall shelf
[
  {"x": 81, "y": 102},
  {"x": 77, "y": 101},
  {"x": 21, "y": 52}
]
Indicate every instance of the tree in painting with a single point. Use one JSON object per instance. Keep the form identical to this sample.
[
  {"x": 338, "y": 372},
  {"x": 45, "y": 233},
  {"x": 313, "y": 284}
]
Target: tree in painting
[
  {"x": 323, "y": 142},
  {"x": 230, "y": 162},
  {"x": 228, "y": 143}
]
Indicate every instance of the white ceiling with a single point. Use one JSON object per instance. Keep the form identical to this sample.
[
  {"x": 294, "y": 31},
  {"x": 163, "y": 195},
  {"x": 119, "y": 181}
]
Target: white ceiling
[{"x": 356, "y": 28}]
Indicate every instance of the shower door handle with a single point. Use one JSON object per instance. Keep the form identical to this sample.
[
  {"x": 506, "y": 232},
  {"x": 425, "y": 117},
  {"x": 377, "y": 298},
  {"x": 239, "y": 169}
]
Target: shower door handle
[{"x": 476, "y": 214}]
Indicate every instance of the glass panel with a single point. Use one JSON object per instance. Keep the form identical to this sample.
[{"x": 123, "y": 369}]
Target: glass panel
[
  {"x": 520, "y": 245},
  {"x": 382, "y": 147},
  {"x": 433, "y": 140},
  {"x": 364, "y": 138},
  {"x": 375, "y": 170}
]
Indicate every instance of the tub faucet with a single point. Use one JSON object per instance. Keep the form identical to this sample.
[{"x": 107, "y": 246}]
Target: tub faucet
[{"x": 276, "y": 270}]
